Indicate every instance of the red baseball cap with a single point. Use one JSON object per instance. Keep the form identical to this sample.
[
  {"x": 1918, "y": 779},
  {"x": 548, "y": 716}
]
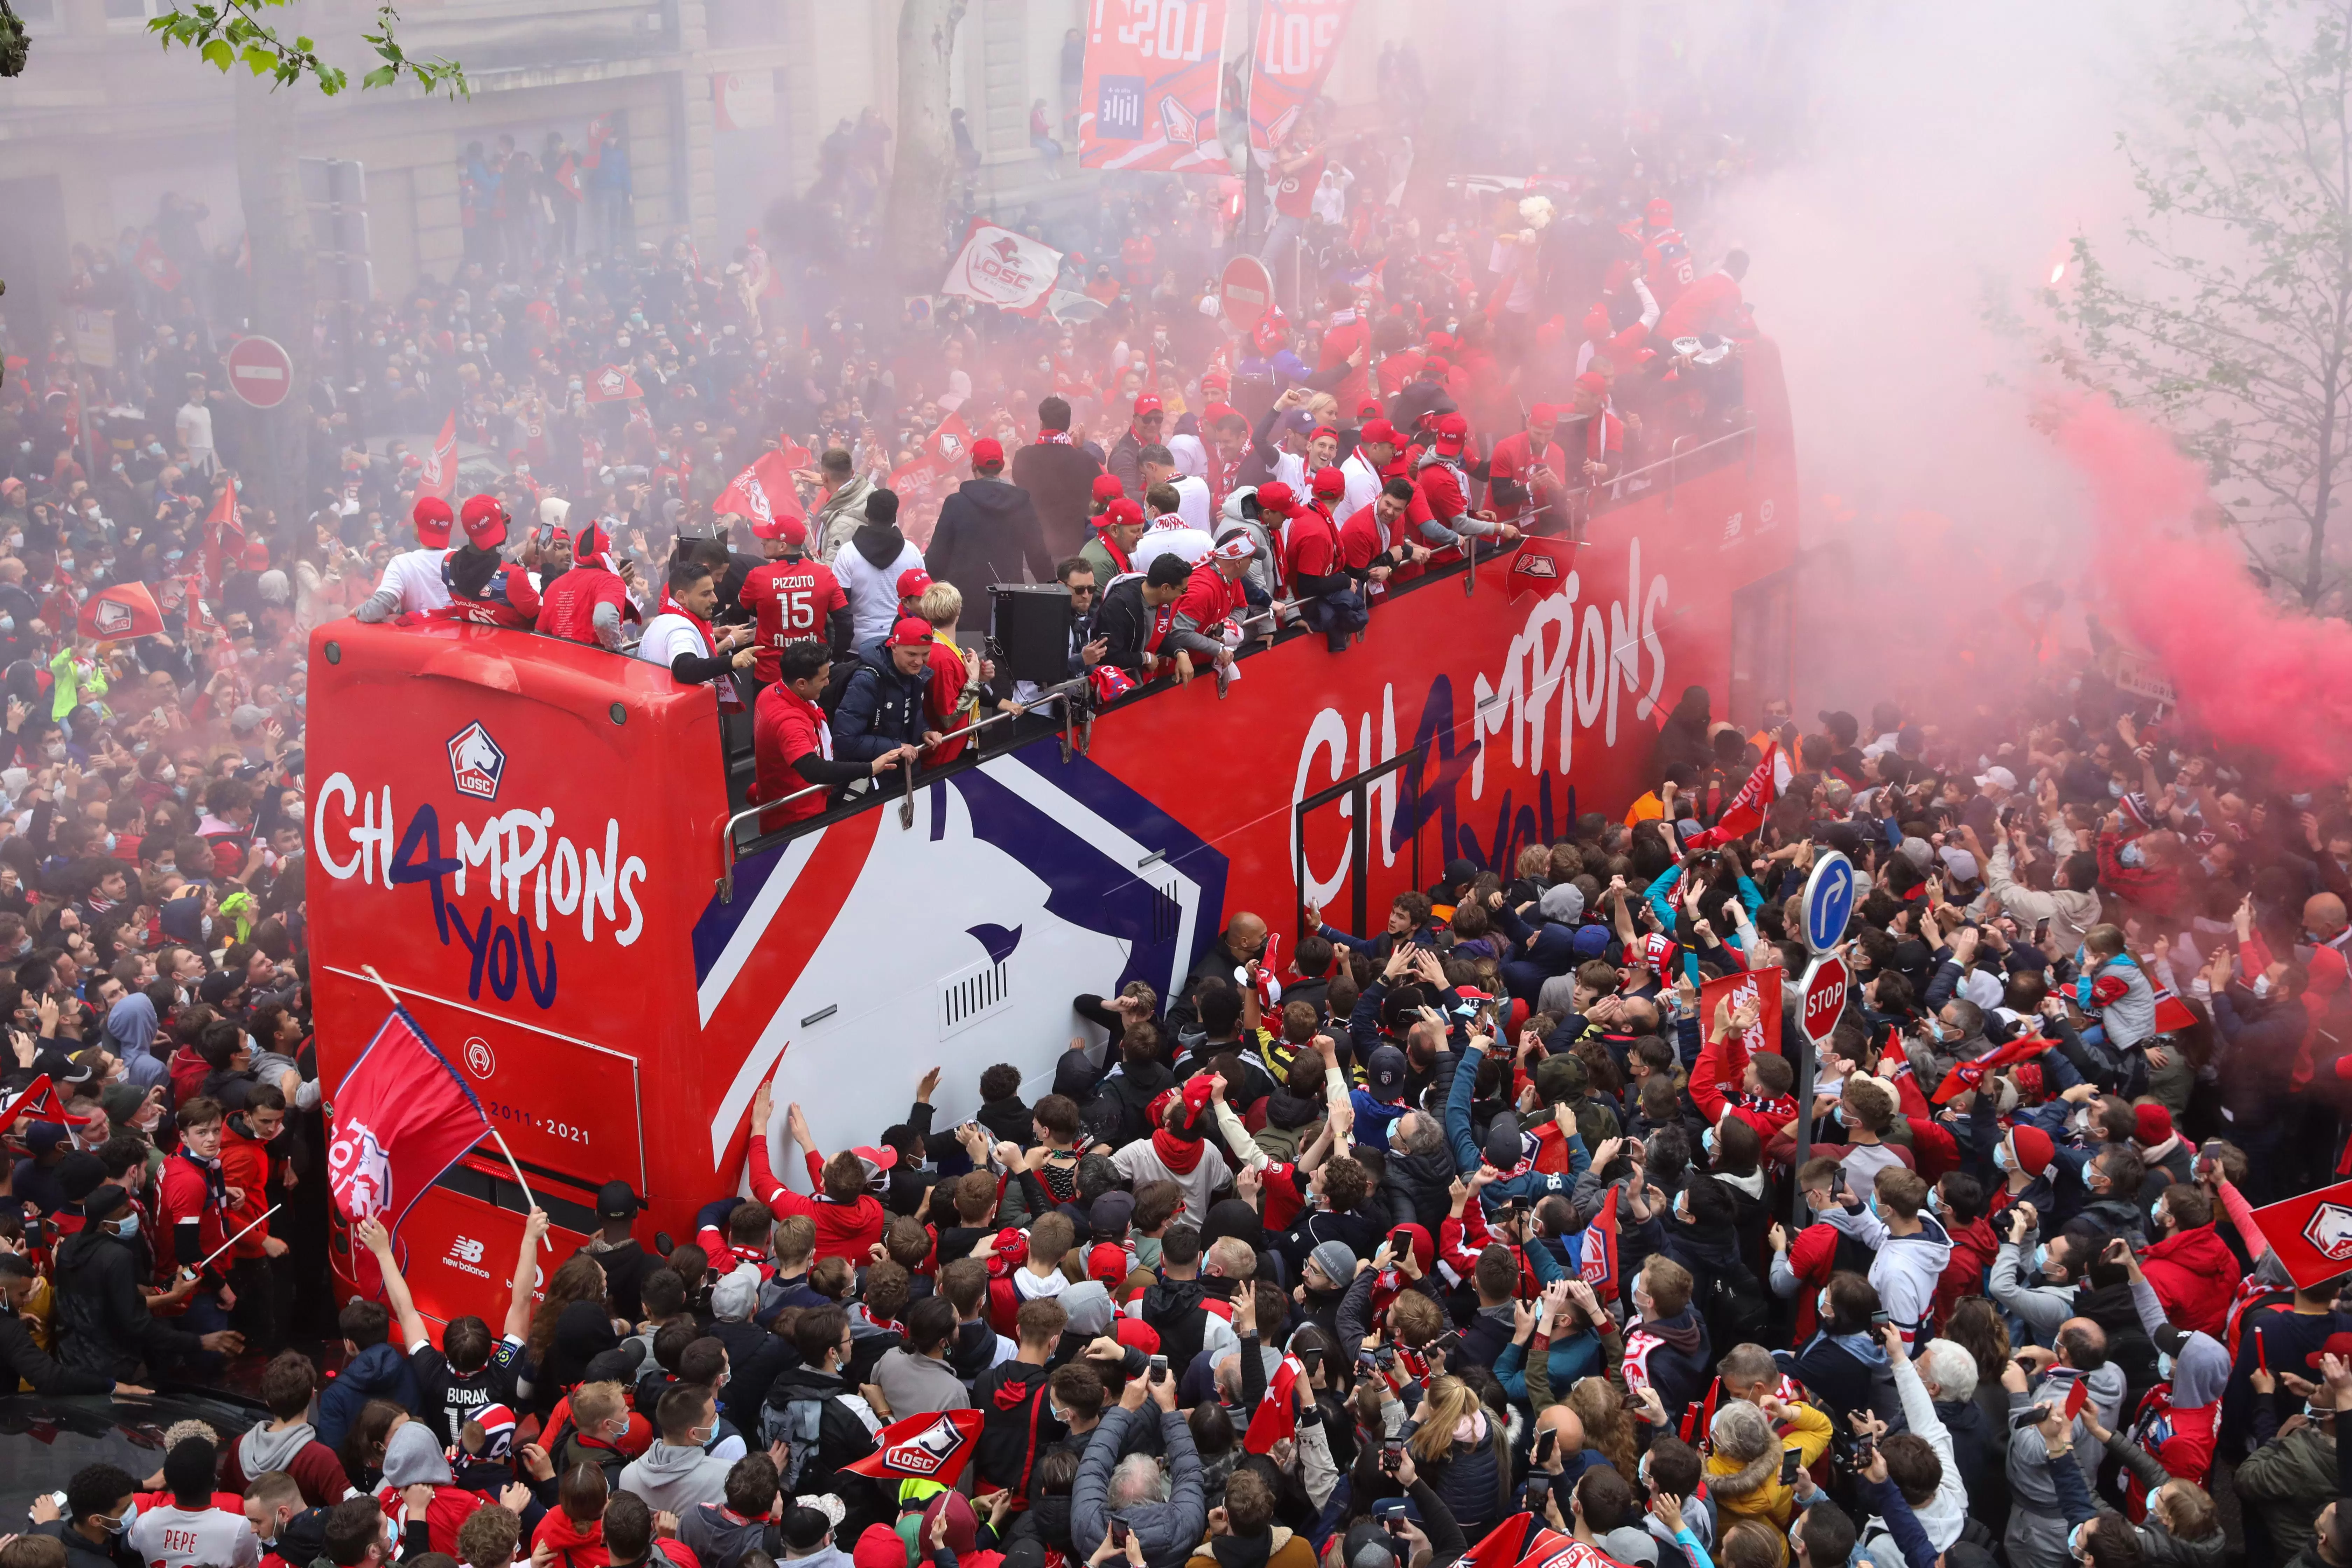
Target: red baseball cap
[
  {"x": 914, "y": 582},
  {"x": 1135, "y": 1334},
  {"x": 1543, "y": 413},
  {"x": 1320, "y": 431},
  {"x": 787, "y": 526},
  {"x": 1330, "y": 482},
  {"x": 1276, "y": 497},
  {"x": 1123, "y": 514},
  {"x": 1106, "y": 1262},
  {"x": 1379, "y": 433},
  {"x": 256, "y": 555},
  {"x": 912, "y": 631},
  {"x": 1108, "y": 488},
  {"x": 2338, "y": 1346},
  {"x": 1148, "y": 403},
  {"x": 1592, "y": 381},
  {"x": 878, "y": 1161},
  {"x": 987, "y": 450},
  {"x": 1660, "y": 212},
  {"x": 1435, "y": 362},
  {"x": 1452, "y": 433},
  {"x": 1370, "y": 407},
  {"x": 1596, "y": 322},
  {"x": 434, "y": 521},
  {"x": 485, "y": 522}
]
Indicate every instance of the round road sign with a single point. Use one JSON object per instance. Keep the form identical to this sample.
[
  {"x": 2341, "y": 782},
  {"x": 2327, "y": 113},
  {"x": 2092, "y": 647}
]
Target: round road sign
[
  {"x": 1828, "y": 901},
  {"x": 260, "y": 372},
  {"x": 1245, "y": 290}
]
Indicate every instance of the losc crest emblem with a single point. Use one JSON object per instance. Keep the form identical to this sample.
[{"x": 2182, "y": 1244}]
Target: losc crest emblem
[
  {"x": 2329, "y": 1232},
  {"x": 358, "y": 1171},
  {"x": 475, "y": 762},
  {"x": 927, "y": 1452},
  {"x": 111, "y": 618}
]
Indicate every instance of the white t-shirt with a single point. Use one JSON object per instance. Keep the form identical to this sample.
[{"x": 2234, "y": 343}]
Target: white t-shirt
[
  {"x": 172, "y": 1537},
  {"x": 666, "y": 637},
  {"x": 416, "y": 576},
  {"x": 194, "y": 426},
  {"x": 873, "y": 595},
  {"x": 1190, "y": 543},
  {"x": 1192, "y": 500},
  {"x": 1190, "y": 457},
  {"x": 1364, "y": 484}
]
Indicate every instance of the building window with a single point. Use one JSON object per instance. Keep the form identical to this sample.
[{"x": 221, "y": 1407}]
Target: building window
[
  {"x": 122, "y": 12},
  {"x": 38, "y": 16}
]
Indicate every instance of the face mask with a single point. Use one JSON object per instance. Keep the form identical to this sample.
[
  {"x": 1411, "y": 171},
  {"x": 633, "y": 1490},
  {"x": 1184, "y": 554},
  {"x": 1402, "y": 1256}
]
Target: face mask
[
  {"x": 167, "y": 773},
  {"x": 1706, "y": 1140},
  {"x": 2074, "y": 1543},
  {"x": 2261, "y": 986},
  {"x": 2133, "y": 856},
  {"x": 2163, "y": 1367},
  {"x": 2115, "y": 790},
  {"x": 109, "y": 844},
  {"x": 65, "y": 562},
  {"x": 55, "y": 751},
  {"x": 1934, "y": 1200},
  {"x": 126, "y": 1227},
  {"x": 2041, "y": 1258},
  {"x": 111, "y": 1526},
  {"x": 2000, "y": 1155},
  {"x": 1837, "y": 1116}
]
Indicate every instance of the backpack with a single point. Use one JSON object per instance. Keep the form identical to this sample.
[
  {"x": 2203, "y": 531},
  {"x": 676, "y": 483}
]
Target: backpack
[
  {"x": 836, "y": 684},
  {"x": 1734, "y": 1316},
  {"x": 795, "y": 1425}
]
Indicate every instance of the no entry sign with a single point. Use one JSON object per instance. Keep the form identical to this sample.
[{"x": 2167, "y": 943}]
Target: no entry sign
[
  {"x": 1245, "y": 292},
  {"x": 260, "y": 372}
]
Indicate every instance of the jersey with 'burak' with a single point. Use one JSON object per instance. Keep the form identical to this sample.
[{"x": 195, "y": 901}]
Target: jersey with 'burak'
[{"x": 789, "y": 601}]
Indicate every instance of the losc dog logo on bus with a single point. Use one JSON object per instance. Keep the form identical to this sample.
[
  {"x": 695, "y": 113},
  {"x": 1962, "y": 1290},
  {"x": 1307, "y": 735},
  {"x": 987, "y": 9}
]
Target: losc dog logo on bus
[
  {"x": 2329, "y": 1231},
  {"x": 927, "y": 1451},
  {"x": 475, "y": 762}
]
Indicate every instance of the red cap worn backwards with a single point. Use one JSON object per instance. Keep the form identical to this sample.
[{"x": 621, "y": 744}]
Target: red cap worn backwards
[
  {"x": 1330, "y": 482},
  {"x": 1543, "y": 413},
  {"x": 433, "y": 519},
  {"x": 1107, "y": 487},
  {"x": 1434, "y": 364},
  {"x": 485, "y": 522},
  {"x": 1452, "y": 433},
  {"x": 987, "y": 450},
  {"x": 912, "y": 631},
  {"x": 914, "y": 582}
]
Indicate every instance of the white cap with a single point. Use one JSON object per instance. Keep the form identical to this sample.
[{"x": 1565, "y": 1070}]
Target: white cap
[{"x": 2001, "y": 777}]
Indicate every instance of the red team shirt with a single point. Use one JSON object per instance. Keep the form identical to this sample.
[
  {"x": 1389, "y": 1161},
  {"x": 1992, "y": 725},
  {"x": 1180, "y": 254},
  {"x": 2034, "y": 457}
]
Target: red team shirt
[
  {"x": 793, "y": 601},
  {"x": 1514, "y": 458},
  {"x": 1310, "y": 547}
]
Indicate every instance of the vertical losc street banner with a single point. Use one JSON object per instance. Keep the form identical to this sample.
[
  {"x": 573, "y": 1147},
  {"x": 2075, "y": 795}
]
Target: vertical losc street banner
[
  {"x": 1296, "y": 39},
  {"x": 1154, "y": 75}
]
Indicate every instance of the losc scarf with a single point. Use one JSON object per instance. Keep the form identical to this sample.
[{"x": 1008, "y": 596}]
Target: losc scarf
[{"x": 1054, "y": 439}]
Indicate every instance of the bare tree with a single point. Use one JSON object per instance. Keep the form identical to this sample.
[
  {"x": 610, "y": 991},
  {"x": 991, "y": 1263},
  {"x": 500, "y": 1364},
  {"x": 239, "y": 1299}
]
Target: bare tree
[
  {"x": 912, "y": 226},
  {"x": 2241, "y": 340}
]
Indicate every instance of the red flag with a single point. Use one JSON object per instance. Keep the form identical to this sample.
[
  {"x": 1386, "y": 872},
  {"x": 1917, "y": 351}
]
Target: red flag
[
  {"x": 2172, "y": 1014},
  {"x": 950, "y": 443},
  {"x": 933, "y": 1446},
  {"x": 40, "y": 1102},
  {"x": 156, "y": 267},
  {"x": 438, "y": 476},
  {"x": 402, "y": 1116},
  {"x": 2312, "y": 1233},
  {"x": 1500, "y": 1549},
  {"x": 796, "y": 455},
  {"x": 223, "y": 538},
  {"x": 200, "y": 612},
  {"x": 1276, "y": 1417},
  {"x": 1967, "y": 1075},
  {"x": 763, "y": 492},
  {"x": 1596, "y": 1257},
  {"x": 1763, "y": 986},
  {"x": 123, "y": 611},
  {"x": 613, "y": 383},
  {"x": 1744, "y": 814},
  {"x": 1540, "y": 567}
]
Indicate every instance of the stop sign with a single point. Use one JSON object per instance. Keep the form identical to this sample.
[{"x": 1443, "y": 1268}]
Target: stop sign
[
  {"x": 1825, "y": 984},
  {"x": 260, "y": 372},
  {"x": 1245, "y": 290}
]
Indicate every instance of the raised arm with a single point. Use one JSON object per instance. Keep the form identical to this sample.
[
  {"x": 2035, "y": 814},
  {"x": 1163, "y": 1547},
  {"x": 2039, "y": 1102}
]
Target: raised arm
[
  {"x": 378, "y": 1240},
  {"x": 526, "y": 1274}
]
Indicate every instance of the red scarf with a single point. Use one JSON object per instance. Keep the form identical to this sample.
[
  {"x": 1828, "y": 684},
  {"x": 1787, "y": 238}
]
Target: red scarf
[
  {"x": 1117, "y": 555},
  {"x": 1053, "y": 438},
  {"x": 1178, "y": 1154},
  {"x": 1221, "y": 482}
]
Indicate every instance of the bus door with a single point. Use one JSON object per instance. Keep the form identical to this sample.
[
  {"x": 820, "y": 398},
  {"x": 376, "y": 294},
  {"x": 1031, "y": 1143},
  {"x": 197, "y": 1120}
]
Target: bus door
[
  {"x": 1346, "y": 856},
  {"x": 1762, "y": 646}
]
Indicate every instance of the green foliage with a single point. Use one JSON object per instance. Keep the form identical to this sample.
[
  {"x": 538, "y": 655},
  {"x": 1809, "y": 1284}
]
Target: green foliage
[
  {"x": 2227, "y": 315},
  {"x": 228, "y": 33}
]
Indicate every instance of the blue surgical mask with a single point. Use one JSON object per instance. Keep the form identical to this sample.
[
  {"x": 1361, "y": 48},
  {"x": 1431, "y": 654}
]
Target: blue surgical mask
[
  {"x": 2132, "y": 854},
  {"x": 1706, "y": 1139},
  {"x": 2000, "y": 1155},
  {"x": 2163, "y": 1367},
  {"x": 126, "y": 1227},
  {"x": 2041, "y": 1258}
]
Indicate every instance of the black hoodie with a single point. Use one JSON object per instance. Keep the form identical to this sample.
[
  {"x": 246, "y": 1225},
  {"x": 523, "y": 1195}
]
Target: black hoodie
[
  {"x": 987, "y": 531},
  {"x": 880, "y": 542}
]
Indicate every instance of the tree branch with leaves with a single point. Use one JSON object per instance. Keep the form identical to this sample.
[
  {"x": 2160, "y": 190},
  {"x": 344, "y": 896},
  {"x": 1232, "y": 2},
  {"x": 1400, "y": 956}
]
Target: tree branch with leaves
[{"x": 230, "y": 33}]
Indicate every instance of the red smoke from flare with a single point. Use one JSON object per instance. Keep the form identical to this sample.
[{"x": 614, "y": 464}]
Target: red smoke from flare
[{"x": 2248, "y": 671}]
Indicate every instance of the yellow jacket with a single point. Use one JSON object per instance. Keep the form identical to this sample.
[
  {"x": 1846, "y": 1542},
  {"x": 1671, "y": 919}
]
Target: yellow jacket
[{"x": 1754, "y": 1489}]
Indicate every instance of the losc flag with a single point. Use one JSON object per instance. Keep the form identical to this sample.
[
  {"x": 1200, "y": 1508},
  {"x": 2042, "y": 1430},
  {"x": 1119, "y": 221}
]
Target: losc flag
[
  {"x": 933, "y": 1446},
  {"x": 761, "y": 491},
  {"x": 123, "y": 611},
  {"x": 1761, "y": 986},
  {"x": 1745, "y": 812},
  {"x": 402, "y": 1116},
  {"x": 438, "y": 474},
  {"x": 1540, "y": 566},
  {"x": 1596, "y": 1255},
  {"x": 2312, "y": 1233},
  {"x": 1276, "y": 1417},
  {"x": 997, "y": 266},
  {"x": 223, "y": 537}
]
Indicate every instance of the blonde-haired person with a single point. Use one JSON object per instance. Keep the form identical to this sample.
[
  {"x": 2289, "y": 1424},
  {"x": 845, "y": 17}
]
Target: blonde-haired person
[
  {"x": 952, "y": 702},
  {"x": 1463, "y": 1452}
]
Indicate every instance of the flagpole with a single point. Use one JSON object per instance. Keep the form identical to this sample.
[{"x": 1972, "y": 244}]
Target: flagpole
[
  {"x": 240, "y": 1236},
  {"x": 512, "y": 1164}
]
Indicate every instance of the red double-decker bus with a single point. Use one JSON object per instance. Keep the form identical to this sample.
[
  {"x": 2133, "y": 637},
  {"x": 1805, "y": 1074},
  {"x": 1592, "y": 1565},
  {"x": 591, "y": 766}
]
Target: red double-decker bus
[{"x": 542, "y": 847}]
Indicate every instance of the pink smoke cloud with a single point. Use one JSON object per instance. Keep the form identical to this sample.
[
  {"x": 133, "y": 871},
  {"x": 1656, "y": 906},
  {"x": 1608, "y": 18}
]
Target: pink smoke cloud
[{"x": 2249, "y": 671}]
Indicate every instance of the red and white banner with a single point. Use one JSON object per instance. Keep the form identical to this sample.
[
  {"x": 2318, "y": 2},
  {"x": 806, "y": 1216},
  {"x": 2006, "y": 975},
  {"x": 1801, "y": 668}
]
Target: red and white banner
[
  {"x": 439, "y": 475},
  {"x": 613, "y": 383},
  {"x": 1745, "y": 812},
  {"x": 1296, "y": 41},
  {"x": 39, "y": 1102},
  {"x": 2312, "y": 1233},
  {"x": 156, "y": 267},
  {"x": 1967, "y": 1075},
  {"x": 123, "y": 611},
  {"x": 997, "y": 266},
  {"x": 1540, "y": 567},
  {"x": 1276, "y": 1416},
  {"x": 223, "y": 538},
  {"x": 933, "y": 1446},
  {"x": 402, "y": 1116},
  {"x": 1154, "y": 83},
  {"x": 1761, "y": 986},
  {"x": 761, "y": 491},
  {"x": 1596, "y": 1257}
]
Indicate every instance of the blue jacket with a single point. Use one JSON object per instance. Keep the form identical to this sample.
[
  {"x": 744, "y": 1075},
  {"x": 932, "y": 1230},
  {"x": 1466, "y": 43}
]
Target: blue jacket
[
  {"x": 379, "y": 1372},
  {"x": 1528, "y": 1185},
  {"x": 880, "y": 708}
]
